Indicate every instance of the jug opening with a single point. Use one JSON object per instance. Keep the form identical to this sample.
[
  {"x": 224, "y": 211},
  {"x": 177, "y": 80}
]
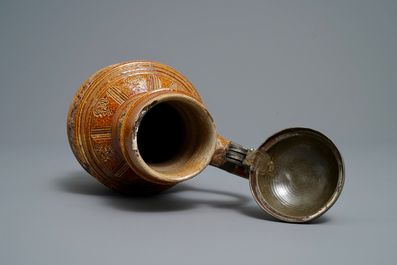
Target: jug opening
[
  {"x": 161, "y": 134},
  {"x": 176, "y": 138}
]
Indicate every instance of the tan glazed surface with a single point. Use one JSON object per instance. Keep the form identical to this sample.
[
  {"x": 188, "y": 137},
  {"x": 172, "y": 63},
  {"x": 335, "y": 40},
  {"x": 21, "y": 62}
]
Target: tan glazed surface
[{"x": 109, "y": 106}]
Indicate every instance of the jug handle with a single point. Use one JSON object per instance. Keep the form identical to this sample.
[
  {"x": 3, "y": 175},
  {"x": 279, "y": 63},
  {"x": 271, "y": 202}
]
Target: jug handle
[{"x": 232, "y": 157}]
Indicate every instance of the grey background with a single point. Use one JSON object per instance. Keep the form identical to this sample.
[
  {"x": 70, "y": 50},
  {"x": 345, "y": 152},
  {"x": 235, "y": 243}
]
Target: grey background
[{"x": 259, "y": 66}]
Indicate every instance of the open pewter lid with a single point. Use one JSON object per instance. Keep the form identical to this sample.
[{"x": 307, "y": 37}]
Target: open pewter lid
[{"x": 297, "y": 175}]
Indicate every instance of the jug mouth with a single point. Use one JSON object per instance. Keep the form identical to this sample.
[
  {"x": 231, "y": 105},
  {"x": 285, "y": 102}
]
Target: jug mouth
[
  {"x": 172, "y": 137},
  {"x": 297, "y": 175}
]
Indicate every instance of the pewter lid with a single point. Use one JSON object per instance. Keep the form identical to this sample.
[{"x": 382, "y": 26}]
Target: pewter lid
[{"x": 297, "y": 175}]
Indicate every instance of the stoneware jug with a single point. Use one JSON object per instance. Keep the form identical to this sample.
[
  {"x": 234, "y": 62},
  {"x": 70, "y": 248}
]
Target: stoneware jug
[{"x": 140, "y": 127}]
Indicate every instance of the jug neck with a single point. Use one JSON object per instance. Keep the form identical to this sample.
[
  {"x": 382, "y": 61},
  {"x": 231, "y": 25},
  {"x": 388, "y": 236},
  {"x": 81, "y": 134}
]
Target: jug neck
[{"x": 166, "y": 136}]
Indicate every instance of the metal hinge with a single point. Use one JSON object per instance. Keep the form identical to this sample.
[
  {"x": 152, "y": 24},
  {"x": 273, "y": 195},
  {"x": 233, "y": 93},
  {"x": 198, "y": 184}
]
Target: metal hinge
[{"x": 237, "y": 155}]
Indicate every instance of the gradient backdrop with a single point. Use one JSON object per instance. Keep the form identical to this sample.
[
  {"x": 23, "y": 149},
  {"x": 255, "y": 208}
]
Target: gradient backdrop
[{"x": 260, "y": 67}]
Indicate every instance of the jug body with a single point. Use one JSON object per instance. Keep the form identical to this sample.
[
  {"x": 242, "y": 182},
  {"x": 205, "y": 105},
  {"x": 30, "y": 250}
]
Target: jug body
[{"x": 140, "y": 127}]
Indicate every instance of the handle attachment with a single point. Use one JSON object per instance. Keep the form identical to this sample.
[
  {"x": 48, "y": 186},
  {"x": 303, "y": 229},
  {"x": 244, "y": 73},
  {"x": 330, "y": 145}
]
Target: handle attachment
[{"x": 233, "y": 158}]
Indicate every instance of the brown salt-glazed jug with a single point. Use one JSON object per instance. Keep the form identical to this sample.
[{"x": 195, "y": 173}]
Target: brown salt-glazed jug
[{"x": 140, "y": 127}]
